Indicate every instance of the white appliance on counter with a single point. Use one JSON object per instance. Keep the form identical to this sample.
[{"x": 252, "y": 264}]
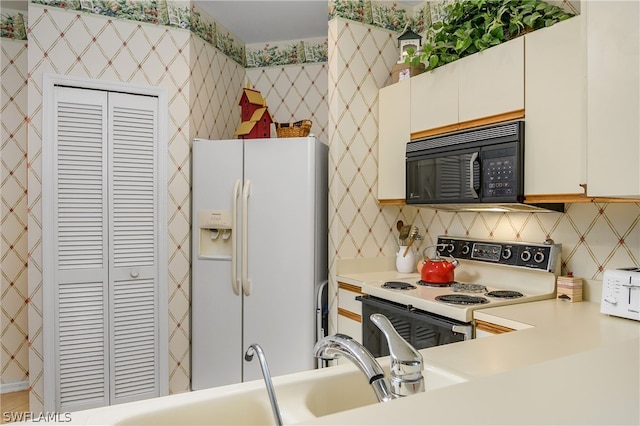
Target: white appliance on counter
[
  {"x": 489, "y": 274},
  {"x": 621, "y": 293},
  {"x": 259, "y": 256}
]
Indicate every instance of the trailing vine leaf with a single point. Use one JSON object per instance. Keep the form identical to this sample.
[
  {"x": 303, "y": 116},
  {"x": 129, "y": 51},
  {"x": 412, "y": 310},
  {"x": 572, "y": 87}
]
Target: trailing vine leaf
[{"x": 470, "y": 26}]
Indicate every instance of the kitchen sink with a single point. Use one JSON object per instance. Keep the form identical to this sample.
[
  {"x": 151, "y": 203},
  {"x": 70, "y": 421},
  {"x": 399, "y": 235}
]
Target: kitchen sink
[
  {"x": 301, "y": 397},
  {"x": 351, "y": 390},
  {"x": 240, "y": 409}
]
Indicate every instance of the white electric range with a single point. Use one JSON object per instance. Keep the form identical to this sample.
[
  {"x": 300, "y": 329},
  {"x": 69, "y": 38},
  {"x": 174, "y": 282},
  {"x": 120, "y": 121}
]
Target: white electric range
[{"x": 489, "y": 274}]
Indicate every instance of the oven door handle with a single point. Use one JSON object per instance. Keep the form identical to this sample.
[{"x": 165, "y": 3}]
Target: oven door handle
[
  {"x": 466, "y": 330},
  {"x": 472, "y": 181}
]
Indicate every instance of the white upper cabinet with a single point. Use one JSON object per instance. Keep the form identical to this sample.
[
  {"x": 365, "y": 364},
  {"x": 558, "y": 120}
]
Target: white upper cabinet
[
  {"x": 434, "y": 98},
  {"x": 470, "y": 91},
  {"x": 613, "y": 107},
  {"x": 393, "y": 135},
  {"x": 491, "y": 82},
  {"x": 555, "y": 69},
  {"x": 581, "y": 78}
]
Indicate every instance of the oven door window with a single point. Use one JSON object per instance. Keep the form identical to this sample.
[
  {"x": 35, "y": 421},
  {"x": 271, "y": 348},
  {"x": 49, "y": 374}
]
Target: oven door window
[
  {"x": 447, "y": 177},
  {"x": 420, "y": 329}
]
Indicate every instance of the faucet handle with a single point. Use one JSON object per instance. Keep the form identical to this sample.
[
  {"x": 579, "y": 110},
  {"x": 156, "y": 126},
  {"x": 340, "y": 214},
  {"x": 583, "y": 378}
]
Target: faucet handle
[
  {"x": 399, "y": 349},
  {"x": 406, "y": 361}
]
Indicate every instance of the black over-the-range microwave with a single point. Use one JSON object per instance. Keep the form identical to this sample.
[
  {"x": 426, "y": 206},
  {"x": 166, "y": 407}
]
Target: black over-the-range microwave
[{"x": 480, "y": 165}]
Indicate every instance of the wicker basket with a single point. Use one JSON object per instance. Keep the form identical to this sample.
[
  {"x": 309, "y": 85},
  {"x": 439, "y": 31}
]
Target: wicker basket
[{"x": 293, "y": 130}]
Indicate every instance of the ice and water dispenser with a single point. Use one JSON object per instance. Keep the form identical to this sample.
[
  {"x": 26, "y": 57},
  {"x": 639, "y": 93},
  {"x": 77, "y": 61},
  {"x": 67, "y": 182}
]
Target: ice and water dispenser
[{"x": 214, "y": 238}]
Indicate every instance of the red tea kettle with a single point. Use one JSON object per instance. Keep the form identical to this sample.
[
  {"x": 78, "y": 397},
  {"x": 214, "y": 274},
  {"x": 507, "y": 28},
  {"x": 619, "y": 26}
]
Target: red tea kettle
[{"x": 438, "y": 270}]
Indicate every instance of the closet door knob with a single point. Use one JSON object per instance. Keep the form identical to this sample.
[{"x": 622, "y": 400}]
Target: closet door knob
[{"x": 134, "y": 274}]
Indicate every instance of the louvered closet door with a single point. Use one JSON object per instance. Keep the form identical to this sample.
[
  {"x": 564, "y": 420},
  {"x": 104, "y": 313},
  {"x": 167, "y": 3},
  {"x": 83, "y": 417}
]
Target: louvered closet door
[
  {"x": 82, "y": 334},
  {"x": 107, "y": 328},
  {"x": 133, "y": 273}
]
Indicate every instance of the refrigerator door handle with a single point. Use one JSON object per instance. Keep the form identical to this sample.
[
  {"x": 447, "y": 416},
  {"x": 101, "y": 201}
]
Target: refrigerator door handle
[
  {"x": 246, "y": 284},
  {"x": 235, "y": 284}
]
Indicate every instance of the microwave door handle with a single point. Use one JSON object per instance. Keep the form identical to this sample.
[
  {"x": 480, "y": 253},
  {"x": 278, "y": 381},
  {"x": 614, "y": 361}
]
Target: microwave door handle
[{"x": 472, "y": 182}]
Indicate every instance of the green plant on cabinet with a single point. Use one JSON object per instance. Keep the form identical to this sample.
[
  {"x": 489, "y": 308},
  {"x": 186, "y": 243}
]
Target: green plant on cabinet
[{"x": 470, "y": 26}]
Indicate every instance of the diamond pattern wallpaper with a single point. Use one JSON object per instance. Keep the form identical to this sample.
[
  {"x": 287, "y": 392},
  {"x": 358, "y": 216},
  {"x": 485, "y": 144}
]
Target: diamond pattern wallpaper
[
  {"x": 294, "y": 93},
  {"x": 339, "y": 96},
  {"x": 13, "y": 213}
]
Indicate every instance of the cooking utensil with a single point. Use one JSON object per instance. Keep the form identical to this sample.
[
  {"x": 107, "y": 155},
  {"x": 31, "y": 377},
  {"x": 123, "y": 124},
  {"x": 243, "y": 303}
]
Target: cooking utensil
[
  {"x": 404, "y": 234},
  {"x": 438, "y": 270},
  {"x": 412, "y": 237},
  {"x": 399, "y": 225}
]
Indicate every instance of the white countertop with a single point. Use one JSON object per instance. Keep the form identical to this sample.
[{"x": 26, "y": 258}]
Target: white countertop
[{"x": 574, "y": 366}]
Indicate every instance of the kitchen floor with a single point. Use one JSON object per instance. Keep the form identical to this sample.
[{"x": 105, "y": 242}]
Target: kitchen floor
[{"x": 13, "y": 402}]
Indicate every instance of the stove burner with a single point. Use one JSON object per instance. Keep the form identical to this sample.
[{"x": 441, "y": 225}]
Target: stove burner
[
  {"x": 428, "y": 284},
  {"x": 461, "y": 299},
  {"x": 469, "y": 288},
  {"x": 504, "y": 294},
  {"x": 398, "y": 285}
]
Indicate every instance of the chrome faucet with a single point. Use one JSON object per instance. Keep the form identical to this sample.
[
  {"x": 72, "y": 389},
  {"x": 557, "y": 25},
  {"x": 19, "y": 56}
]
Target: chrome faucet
[
  {"x": 331, "y": 347},
  {"x": 248, "y": 356},
  {"x": 406, "y": 361}
]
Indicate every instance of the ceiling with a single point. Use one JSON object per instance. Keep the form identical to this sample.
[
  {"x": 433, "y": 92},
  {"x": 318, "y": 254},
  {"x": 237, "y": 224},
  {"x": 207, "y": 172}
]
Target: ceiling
[{"x": 269, "y": 21}]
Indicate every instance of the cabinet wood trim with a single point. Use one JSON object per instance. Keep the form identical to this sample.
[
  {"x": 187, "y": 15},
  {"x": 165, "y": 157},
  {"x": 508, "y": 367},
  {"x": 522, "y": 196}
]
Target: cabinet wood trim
[
  {"x": 393, "y": 202},
  {"x": 350, "y": 287},
  {"x": 348, "y": 314},
  {"x": 492, "y": 328},
  {"x": 574, "y": 198},
  {"x": 492, "y": 119}
]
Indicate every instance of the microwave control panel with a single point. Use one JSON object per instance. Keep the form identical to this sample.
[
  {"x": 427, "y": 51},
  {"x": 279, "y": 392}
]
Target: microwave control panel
[{"x": 500, "y": 171}]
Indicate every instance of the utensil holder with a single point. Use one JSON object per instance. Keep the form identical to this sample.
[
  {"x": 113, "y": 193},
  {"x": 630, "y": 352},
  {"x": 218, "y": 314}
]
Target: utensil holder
[{"x": 405, "y": 264}]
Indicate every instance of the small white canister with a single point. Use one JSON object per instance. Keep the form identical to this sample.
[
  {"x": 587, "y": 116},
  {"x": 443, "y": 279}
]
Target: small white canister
[{"x": 405, "y": 263}]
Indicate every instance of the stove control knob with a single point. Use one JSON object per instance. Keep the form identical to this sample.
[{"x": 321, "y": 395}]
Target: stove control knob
[
  {"x": 525, "y": 256},
  {"x": 465, "y": 249},
  {"x": 538, "y": 257},
  {"x": 611, "y": 299},
  {"x": 450, "y": 248},
  {"x": 507, "y": 253}
]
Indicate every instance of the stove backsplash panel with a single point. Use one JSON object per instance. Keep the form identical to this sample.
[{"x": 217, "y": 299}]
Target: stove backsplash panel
[{"x": 594, "y": 237}]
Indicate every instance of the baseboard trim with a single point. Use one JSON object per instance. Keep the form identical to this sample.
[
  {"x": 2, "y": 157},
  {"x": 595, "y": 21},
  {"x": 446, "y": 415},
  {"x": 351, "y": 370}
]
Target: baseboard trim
[{"x": 13, "y": 387}]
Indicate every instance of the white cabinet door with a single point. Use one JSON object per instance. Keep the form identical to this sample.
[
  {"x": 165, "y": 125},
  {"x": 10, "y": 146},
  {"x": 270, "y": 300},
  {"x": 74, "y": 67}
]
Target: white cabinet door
[
  {"x": 106, "y": 221},
  {"x": 134, "y": 301},
  {"x": 434, "y": 98},
  {"x": 555, "y": 70},
  {"x": 393, "y": 135},
  {"x": 491, "y": 82},
  {"x": 613, "y": 106},
  {"x": 349, "y": 311},
  {"x": 80, "y": 275}
]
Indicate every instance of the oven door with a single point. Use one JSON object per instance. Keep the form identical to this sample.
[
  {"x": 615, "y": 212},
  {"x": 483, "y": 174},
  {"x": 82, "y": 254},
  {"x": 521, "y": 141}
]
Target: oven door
[
  {"x": 445, "y": 177},
  {"x": 419, "y": 328}
]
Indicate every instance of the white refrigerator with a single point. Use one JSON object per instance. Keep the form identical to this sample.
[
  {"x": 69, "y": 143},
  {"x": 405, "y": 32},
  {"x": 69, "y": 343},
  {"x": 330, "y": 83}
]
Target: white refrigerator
[{"x": 259, "y": 256}]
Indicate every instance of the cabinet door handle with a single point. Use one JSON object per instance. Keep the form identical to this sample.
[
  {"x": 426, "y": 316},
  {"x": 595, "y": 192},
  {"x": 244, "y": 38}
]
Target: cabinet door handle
[{"x": 472, "y": 181}]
